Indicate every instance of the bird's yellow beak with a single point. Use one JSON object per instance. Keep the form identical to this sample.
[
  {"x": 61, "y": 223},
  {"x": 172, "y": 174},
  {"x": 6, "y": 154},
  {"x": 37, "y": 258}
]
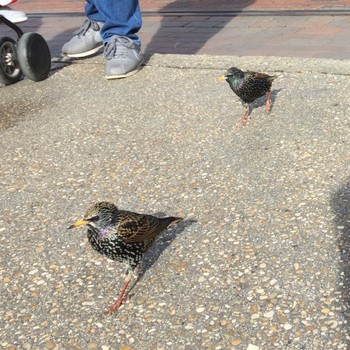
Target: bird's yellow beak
[
  {"x": 78, "y": 224},
  {"x": 222, "y": 78}
]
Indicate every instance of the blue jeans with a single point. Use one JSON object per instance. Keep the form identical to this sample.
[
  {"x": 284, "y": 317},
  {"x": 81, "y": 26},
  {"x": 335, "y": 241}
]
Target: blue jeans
[{"x": 120, "y": 17}]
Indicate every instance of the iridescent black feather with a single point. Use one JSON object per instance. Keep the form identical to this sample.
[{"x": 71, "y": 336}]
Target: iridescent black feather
[
  {"x": 122, "y": 235},
  {"x": 249, "y": 86}
]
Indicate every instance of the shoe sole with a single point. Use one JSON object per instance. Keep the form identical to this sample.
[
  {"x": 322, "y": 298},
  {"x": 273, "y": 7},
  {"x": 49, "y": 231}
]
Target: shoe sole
[
  {"x": 110, "y": 77},
  {"x": 83, "y": 54}
]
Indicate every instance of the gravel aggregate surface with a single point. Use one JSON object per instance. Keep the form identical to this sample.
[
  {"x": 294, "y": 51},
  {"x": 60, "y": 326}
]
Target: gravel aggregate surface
[{"x": 261, "y": 261}]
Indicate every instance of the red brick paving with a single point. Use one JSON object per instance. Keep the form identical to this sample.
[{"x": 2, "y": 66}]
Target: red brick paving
[
  {"x": 209, "y": 33},
  {"x": 31, "y": 6}
]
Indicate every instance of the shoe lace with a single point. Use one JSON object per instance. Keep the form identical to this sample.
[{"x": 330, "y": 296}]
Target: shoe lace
[
  {"x": 117, "y": 47},
  {"x": 87, "y": 24}
]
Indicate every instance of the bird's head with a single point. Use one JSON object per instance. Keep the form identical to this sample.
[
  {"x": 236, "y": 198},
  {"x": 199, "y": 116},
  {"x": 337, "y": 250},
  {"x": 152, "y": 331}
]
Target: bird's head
[
  {"x": 98, "y": 216},
  {"x": 233, "y": 73}
]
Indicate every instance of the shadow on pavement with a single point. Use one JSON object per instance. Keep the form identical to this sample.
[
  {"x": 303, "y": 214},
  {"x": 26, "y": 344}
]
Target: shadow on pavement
[
  {"x": 58, "y": 41},
  {"x": 167, "y": 39},
  {"x": 164, "y": 242},
  {"x": 31, "y": 25},
  {"x": 262, "y": 100},
  {"x": 161, "y": 244},
  {"x": 341, "y": 206}
]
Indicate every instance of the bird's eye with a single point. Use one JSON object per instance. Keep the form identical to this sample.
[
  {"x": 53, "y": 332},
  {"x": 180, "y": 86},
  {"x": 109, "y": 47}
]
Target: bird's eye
[{"x": 94, "y": 218}]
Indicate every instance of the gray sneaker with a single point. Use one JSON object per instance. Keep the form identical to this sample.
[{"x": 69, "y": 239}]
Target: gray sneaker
[
  {"x": 123, "y": 56},
  {"x": 86, "y": 40}
]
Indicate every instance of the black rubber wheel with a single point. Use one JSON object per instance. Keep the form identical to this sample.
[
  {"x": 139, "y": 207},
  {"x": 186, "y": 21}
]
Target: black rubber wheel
[
  {"x": 34, "y": 56},
  {"x": 10, "y": 71}
]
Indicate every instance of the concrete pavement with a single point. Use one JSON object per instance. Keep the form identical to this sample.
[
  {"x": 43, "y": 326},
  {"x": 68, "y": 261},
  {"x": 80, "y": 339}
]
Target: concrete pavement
[{"x": 266, "y": 265}]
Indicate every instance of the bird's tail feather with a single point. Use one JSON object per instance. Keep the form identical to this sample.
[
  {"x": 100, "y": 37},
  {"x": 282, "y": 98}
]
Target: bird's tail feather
[{"x": 170, "y": 220}]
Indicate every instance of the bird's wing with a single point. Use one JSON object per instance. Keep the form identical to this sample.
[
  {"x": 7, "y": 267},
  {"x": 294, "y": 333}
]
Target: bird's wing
[
  {"x": 258, "y": 76},
  {"x": 138, "y": 227}
]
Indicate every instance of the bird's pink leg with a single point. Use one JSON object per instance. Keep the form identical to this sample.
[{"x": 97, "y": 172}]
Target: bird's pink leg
[
  {"x": 121, "y": 298},
  {"x": 244, "y": 120},
  {"x": 268, "y": 102}
]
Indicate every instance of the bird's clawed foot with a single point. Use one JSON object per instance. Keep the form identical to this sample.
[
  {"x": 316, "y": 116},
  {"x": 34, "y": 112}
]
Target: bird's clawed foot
[
  {"x": 121, "y": 298},
  {"x": 113, "y": 308},
  {"x": 244, "y": 120}
]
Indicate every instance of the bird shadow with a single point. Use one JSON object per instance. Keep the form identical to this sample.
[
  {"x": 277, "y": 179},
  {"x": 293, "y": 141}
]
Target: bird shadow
[
  {"x": 262, "y": 100},
  {"x": 274, "y": 94},
  {"x": 161, "y": 244}
]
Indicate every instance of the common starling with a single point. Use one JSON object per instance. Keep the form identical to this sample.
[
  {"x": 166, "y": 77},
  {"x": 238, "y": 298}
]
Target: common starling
[
  {"x": 249, "y": 86},
  {"x": 123, "y": 236}
]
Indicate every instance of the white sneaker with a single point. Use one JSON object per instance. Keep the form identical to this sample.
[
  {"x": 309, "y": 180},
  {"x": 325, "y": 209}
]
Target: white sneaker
[{"x": 12, "y": 15}]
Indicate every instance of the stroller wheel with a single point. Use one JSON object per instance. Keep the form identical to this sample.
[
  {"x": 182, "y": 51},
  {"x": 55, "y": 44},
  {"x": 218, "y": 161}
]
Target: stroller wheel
[
  {"x": 10, "y": 71},
  {"x": 34, "y": 56}
]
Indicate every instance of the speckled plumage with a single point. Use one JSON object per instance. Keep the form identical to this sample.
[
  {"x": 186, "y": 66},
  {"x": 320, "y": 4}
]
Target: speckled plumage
[
  {"x": 249, "y": 86},
  {"x": 122, "y": 235}
]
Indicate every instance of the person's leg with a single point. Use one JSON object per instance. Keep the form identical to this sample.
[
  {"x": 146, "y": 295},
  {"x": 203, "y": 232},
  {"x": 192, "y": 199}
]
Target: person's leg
[
  {"x": 120, "y": 17},
  {"x": 91, "y": 11}
]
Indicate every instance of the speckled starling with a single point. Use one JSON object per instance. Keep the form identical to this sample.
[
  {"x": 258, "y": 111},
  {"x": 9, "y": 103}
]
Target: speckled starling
[
  {"x": 249, "y": 86},
  {"x": 122, "y": 235}
]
